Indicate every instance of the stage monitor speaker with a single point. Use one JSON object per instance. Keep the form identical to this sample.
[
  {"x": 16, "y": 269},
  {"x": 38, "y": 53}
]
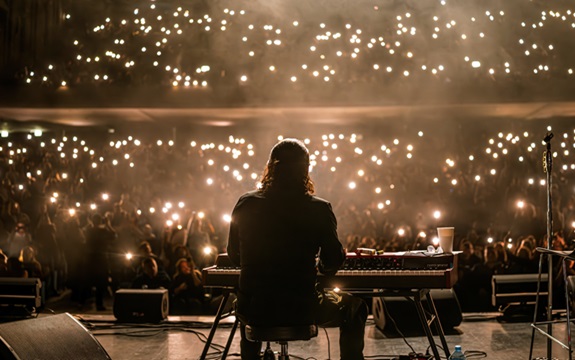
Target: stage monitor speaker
[
  {"x": 378, "y": 311},
  {"x": 55, "y": 337},
  {"x": 517, "y": 288},
  {"x": 141, "y": 305},
  {"x": 405, "y": 315},
  {"x": 19, "y": 297}
]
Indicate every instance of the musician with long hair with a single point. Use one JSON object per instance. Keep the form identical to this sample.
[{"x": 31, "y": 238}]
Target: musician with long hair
[{"x": 280, "y": 235}]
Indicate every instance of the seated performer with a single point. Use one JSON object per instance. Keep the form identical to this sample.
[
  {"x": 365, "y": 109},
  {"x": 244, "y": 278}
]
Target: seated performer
[{"x": 277, "y": 234}]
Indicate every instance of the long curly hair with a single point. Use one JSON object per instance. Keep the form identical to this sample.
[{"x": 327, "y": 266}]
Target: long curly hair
[{"x": 287, "y": 170}]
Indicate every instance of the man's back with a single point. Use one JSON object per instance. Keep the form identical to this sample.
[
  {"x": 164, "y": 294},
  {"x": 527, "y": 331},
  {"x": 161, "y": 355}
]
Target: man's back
[
  {"x": 276, "y": 234},
  {"x": 275, "y": 240}
]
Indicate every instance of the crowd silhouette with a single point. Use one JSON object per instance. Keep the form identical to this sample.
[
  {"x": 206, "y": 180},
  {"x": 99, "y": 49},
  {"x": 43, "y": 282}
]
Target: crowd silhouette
[{"x": 114, "y": 211}]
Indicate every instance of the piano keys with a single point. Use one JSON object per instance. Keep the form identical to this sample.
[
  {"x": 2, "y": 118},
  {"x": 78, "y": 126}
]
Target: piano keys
[{"x": 385, "y": 271}]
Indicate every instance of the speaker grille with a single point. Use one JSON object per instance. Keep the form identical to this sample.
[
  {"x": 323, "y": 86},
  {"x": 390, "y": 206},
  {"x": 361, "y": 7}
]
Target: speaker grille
[{"x": 57, "y": 337}]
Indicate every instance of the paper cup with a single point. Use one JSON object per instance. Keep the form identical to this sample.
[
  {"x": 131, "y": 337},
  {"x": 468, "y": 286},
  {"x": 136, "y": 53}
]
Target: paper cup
[{"x": 445, "y": 235}]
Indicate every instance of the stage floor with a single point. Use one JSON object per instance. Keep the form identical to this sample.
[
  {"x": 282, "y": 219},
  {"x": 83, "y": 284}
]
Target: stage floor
[
  {"x": 500, "y": 341},
  {"x": 179, "y": 338}
]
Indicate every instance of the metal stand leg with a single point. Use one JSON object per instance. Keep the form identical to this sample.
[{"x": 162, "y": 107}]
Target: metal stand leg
[
  {"x": 284, "y": 355},
  {"x": 564, "y": 255},
  {"x": 535, "y": 312},
  {"x": 568, "y": 307},
  {"x": 550, "y": 304},
  {"x": 438, "y": 326},
  {"x": 425, "y": 324},
  {"x": 215, "y": 324},
  {"x": 230, "y": 339}
]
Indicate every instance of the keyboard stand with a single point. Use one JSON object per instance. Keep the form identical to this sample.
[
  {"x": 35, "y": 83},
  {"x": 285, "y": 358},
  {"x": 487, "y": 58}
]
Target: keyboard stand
[
  {"x": 426, "y": 318},
  {"x": 220, "y": 315}
]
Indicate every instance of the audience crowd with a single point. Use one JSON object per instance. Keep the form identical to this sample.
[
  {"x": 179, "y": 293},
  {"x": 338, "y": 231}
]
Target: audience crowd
[
  {"x": 112, "y": 211},
  {"x": 395, "y": 47}
]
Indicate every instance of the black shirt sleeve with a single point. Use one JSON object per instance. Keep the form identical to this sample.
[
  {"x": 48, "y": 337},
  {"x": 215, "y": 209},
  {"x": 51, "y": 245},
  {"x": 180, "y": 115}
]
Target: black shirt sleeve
[
  {"x": 332, "y": 254},
  {"x": 233, "y": 248}
]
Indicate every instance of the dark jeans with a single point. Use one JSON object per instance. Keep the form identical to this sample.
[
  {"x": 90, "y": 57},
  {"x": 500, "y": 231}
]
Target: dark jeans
[{"x": 341, "y": 310}]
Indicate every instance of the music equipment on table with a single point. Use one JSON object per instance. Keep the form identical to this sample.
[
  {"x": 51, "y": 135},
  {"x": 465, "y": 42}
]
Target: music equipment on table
[
  {"x": 52, "y": 337},
  {"x": 405, "y": 270},
  {"x": 141, "y": 305},
  {"x": 19, "y": 297}
]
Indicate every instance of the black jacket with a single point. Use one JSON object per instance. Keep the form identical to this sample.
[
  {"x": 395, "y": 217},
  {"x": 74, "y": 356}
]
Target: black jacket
[{"x": 275, "y": 239}]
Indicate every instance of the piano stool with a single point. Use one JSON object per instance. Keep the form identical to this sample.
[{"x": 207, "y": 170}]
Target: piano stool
[{"x": 280, "y": 335}]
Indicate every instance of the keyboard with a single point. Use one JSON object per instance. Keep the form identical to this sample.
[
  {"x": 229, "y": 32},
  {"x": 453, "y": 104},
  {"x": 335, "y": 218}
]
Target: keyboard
[{"x": 359, "y": 272}]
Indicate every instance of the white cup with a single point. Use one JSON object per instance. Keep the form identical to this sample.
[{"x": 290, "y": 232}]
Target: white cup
[{"x": 445, "y": 235}]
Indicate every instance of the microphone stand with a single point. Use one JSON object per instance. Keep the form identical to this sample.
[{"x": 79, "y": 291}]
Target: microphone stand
[{"x": 548, "y": 167}]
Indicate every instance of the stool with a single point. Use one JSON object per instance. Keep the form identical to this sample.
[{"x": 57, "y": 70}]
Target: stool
[{"x": 281, "y": 335}]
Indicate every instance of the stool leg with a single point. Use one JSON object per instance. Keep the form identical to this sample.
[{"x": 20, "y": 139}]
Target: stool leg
[
  {"x": 269, "y": 353},
  {"x": 284, "y": 351}
]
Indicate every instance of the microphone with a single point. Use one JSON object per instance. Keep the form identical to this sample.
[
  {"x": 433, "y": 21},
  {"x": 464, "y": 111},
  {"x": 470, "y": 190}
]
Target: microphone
[{"x": 548, "y": 137}]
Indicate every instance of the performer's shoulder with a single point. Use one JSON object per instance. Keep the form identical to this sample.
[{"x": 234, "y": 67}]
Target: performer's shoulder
[
  {"x": 318, "y": 200},
  {"x": 254, "y": 194}
]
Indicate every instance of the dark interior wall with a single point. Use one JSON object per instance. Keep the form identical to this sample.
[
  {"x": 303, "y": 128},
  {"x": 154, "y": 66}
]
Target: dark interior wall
[{"x": 28, "y": 31}]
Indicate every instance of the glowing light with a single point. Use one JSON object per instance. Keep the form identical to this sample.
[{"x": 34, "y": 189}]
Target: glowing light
[
  {"x": 436, "y": 214},
  {"x": 352, "y": 185}
]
